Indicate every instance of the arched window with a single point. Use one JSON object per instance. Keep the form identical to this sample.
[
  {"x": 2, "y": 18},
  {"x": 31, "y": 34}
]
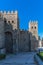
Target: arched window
[
  {"x": 8, "y": 21},
  {"x": 35, "y": 27},
  {"x": 32, "y": 27},
  {"x": 12, "y": 21},
  {"x": 5, "y": 20}
]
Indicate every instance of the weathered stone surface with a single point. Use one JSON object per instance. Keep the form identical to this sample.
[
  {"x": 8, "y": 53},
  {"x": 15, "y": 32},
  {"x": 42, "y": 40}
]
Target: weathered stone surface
[{"x": 14, "y": 39}]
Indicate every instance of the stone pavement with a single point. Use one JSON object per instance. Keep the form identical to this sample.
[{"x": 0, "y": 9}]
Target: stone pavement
[{"x": 25, "y": 58}]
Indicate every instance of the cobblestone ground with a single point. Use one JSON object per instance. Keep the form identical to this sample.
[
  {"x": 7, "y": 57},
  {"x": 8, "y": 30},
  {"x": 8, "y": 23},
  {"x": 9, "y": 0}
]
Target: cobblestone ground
[{"x": 19, "y": 59}]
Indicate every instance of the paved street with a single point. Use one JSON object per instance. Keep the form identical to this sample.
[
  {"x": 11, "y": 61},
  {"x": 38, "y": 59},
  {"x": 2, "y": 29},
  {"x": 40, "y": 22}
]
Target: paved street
[{"x": 19, "y": 59}]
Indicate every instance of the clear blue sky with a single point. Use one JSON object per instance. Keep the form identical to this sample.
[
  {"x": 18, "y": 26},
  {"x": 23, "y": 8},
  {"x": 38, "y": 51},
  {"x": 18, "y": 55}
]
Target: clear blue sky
[{"x": 27, "y": 10}]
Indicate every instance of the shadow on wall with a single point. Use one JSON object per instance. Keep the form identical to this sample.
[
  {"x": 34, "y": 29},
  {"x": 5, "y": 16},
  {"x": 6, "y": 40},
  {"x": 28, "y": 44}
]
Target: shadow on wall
[
  {"x": 27, "y": 42},
  {"x": 33, "y": 42}
]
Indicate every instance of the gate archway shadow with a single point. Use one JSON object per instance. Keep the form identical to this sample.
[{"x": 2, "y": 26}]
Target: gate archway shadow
[{"x": 8, "y": 42}]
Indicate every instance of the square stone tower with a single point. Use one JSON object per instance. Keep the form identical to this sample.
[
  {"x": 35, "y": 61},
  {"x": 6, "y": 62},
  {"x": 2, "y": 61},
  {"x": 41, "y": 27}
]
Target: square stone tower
[
  {"x": 33, "y": 29},
  {"x": 12, "y": 18},
  {"x": 9, "y": 26}
]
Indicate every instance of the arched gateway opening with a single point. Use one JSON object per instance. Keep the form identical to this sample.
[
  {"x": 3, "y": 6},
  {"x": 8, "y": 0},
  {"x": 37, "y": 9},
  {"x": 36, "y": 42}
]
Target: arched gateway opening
[{"x": 8, "y": 42}]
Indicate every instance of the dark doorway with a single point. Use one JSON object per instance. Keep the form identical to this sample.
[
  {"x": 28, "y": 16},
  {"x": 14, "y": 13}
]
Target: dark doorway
[{"x": 8, "y": 42}]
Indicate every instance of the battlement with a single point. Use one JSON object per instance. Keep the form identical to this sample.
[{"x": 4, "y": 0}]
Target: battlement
[
  {"x": 9, "y": 12},
  {"x": 33, "y": 22}
]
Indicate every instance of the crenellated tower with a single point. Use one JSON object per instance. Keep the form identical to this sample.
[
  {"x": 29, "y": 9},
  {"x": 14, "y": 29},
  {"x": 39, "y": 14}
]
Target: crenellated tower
[
  {"x": 11, "y": 17},
  {"x": 33, "y": 29}
]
